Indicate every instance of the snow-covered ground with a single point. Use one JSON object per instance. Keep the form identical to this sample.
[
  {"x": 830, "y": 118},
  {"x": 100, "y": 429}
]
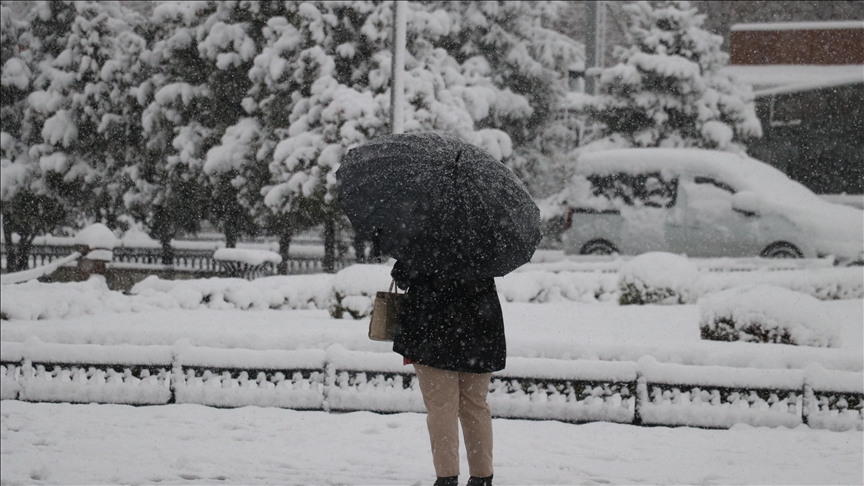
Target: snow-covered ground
[
  {"x": 192, "y": 444},
  {"x": 95, "y": 444},
  {"x": 559, "y": 330}
]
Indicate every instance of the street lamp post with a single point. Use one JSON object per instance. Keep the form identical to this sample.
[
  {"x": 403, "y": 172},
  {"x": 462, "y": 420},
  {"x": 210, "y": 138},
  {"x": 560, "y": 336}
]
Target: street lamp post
[
  {"x": 397, "y": 76},
  {"x": 595, "y": 43}
]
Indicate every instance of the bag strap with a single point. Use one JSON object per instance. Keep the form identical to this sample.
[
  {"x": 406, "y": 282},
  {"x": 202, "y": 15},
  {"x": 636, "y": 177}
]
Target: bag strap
[{"x": 393, "y": 288}]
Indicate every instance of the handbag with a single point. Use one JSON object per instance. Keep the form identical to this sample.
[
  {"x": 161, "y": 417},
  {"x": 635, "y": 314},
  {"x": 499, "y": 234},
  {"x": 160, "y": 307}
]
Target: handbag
[{"x": 384, "y": 324}]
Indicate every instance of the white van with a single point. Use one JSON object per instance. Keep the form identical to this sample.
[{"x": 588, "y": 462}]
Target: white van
[{"x": 702, "y": 203}]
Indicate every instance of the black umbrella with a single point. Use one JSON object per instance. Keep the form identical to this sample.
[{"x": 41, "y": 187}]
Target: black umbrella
[{"x": 439, "y": 204}]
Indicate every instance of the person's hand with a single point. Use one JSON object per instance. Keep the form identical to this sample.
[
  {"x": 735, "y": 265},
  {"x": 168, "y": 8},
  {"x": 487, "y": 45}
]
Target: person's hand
[{"x": 401, "y": 275}]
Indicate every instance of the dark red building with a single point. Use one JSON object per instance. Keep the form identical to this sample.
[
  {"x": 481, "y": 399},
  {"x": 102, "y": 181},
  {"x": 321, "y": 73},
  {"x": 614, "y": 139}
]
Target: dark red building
[{"x": 808, "y": 80}]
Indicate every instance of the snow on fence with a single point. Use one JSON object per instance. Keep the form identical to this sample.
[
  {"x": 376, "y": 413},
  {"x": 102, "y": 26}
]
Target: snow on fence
[
  {"x": 303, "y": 259},
  {"x": 338, "y": 380}
]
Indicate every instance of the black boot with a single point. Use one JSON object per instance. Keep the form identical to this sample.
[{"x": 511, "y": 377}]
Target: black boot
[
  {"x": 475, "y": 481},
  {"x": 448, "y": 481}
]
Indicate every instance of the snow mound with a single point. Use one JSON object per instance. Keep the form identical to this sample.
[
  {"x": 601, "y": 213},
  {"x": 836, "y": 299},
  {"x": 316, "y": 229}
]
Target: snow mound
[
  {"x": 658, "y": 278},
  {"x": 833, "y": 283},
  {"x": 767, "y": 314},
  {"x": 97, "y": 236},
  {"x": 544, "y": 286},
  {"x": 36, "y": 300}
]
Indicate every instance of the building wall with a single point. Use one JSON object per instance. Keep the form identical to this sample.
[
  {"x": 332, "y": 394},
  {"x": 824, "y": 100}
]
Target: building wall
[
  {"x": 816, "y": 137},
  {"x": 797, "y": 46},
  {"x": 720, "y": 16}
]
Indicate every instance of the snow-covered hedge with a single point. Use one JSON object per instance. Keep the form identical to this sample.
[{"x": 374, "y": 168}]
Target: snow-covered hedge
[
  {"x": 657, "y": 278},
  {"x": 277, "y": 292},
  {"x": 351, "y": 291},
  {"x": 354, "y": 289},
  {"x": 36, "y": 300},
  {"x": 539, "y": 286},
  {"x": 767, "y": 314},
  {"x": 833, "y": 283}
]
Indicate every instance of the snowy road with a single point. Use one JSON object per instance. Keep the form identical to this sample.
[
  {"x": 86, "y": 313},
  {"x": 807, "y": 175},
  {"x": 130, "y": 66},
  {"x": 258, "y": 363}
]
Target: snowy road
[{"x": 191, "y": 444}]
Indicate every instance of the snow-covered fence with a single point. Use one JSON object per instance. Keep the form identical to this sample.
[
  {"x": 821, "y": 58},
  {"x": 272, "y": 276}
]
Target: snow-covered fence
[
  {"x": 85, "y": 373},
  {"x": 248, "y": 264},
  {"x": 303, "y": 260},
  {"x": 337, "y": 380}
]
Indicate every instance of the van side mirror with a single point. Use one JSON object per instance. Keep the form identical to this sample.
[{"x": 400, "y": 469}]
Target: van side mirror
[{"x": 746, "y": 203}]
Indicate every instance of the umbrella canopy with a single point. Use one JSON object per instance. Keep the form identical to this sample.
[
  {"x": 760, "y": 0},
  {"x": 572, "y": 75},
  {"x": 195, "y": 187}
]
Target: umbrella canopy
[{"x": 439, "y": 204}]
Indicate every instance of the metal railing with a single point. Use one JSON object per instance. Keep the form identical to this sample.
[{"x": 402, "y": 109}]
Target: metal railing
[{"x": 185, "y": 259}]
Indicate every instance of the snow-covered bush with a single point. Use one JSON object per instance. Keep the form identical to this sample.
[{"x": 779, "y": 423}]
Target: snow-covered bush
[
  {"x": 354, "y": 289},
  {"x": 277, "y": 292},
  {"x": 767, "y": 314},
  {"x": 540, "y": 286},
  {"x": 35, "y": 300},
  {"x": 667, "y": 88},
  {"x": 657, "y": 278},
  {"x": 830, "y": 283}
]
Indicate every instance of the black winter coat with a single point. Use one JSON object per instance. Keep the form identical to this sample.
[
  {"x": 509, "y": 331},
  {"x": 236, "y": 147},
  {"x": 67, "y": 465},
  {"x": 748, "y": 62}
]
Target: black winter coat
[{"x": 450, "y": 324}]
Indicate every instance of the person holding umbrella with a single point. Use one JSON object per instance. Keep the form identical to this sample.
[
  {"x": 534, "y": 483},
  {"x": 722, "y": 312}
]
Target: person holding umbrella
[{"x": 454, "y": 218}]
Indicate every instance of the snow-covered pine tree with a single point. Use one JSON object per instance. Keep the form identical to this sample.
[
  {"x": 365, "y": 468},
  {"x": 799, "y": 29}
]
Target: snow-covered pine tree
[
  {"x": 70, "y": 111},
  {"x": 170, "y": 192},
  {"x": 269, "y": 104},
  {"x": 667, "y": 90},
  {"x": 526, "y": 57},
  {"x": 334, "y": 59},
  {"x": 237, "y": 164},
  {"x": 28, "y": 209}
]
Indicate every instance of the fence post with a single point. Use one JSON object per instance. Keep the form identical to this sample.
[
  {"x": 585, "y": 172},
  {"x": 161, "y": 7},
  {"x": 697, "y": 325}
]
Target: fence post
[
  {"x": 26, "y": 375},
  {"x": 641, "y": 398},
  {"x": 807, "y": 402}
]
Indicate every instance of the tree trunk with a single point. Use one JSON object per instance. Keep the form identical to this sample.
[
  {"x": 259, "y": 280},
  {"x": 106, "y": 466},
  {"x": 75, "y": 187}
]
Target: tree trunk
[
  {"x": 359, "y": 249},
  {"x": 376, "y": 248},
  {"x": 11, "y": 258},
  {"x": 231, "y": 233},
  {"x": 167, "y": 251},
  {"x": 284, "y": 245},
  {"x": 25, "y": 244},
  {"x": 329, "y": 245},
  {"x": 17, "y": 254}
]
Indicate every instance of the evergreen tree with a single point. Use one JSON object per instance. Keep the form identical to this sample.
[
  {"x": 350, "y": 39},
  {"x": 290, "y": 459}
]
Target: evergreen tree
[
  {"x": 28, "y": 209},
  {"x": 321, "y": 87},
  {"x": 170, "y": 193},
  {"x": 71, "y": 110},
  {"x": 57, "y": 105},
  {"x": 666, "y": 89},
  {"x": 526, "y": 57}
]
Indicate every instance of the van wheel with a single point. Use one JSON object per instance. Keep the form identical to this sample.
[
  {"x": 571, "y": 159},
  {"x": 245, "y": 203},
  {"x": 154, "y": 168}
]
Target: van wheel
[
  {"x": 782, "y": 249},
  {"x": 598, "y": 247}
]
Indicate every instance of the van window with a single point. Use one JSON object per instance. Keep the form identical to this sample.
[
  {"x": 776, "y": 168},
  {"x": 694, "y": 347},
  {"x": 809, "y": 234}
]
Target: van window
[
  {"x": 650, "y": 189},
  {"x": 714, "y": 182}
]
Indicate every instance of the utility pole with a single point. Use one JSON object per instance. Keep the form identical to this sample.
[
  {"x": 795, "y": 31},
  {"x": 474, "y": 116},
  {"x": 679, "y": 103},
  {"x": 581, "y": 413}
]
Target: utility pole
[
  {"x": 595, "y": 43},
  {"x": 397, "y": 92},
  {"x": 397, "y": 76}
]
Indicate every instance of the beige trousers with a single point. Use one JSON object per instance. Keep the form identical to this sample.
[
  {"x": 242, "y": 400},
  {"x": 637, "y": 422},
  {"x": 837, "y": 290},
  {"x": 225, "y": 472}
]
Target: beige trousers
[{"x": 451, "y": 396}]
